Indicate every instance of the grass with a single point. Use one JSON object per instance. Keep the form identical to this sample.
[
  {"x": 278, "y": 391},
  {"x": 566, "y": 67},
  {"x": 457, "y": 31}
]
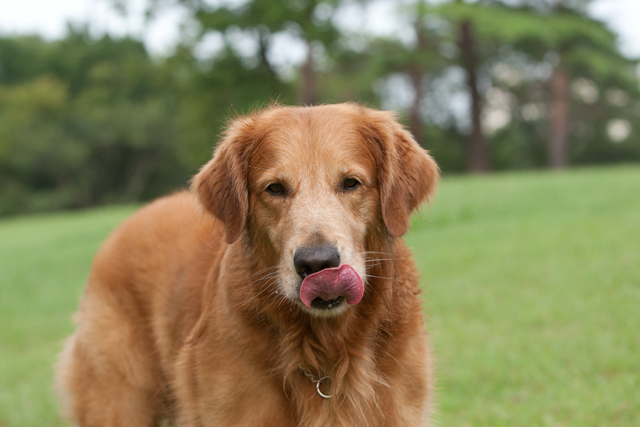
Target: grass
[{"x": 531, "y": 280}]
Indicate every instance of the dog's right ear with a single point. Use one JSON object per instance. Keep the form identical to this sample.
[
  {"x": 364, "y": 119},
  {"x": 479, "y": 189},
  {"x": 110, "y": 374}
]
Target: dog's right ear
[{"x": 221, "y": 184}]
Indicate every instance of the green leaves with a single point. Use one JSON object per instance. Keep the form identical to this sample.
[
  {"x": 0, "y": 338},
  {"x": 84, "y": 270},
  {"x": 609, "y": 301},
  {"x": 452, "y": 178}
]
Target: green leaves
[
  {"x": 87, "y": 120},
  {"x": 508, "y": 25},
  {"x": 93, "y": 129}
]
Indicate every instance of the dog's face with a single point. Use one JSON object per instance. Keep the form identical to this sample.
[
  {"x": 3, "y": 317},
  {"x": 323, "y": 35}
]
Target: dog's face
[
  {"x": 310, "y": 189},
  {"x": 313, "y": 197}
]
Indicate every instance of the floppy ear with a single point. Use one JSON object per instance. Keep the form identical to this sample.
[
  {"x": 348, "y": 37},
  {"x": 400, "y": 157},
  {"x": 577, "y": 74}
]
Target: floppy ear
[
  {"x": 407, "y": 174},
  {"x": 221, "y": 184}
]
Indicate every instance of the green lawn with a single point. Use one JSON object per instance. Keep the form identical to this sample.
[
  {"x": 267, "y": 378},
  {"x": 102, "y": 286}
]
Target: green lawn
[{"x": 532, "y": 286}]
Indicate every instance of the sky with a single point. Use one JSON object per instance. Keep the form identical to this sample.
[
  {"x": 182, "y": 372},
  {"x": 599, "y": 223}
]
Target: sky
[{"x": 49, "y": 19}]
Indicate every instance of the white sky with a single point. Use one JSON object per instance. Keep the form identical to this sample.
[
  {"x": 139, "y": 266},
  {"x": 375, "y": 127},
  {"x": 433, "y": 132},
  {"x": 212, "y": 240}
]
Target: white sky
[{"x": 49, "y": 18}]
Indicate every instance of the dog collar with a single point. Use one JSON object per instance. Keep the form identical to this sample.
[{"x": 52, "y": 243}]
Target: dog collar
[{"x": 318, "y": 382}]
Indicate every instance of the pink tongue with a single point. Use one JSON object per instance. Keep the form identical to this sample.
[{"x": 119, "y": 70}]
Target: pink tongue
[{"x": 331, "y": 283}]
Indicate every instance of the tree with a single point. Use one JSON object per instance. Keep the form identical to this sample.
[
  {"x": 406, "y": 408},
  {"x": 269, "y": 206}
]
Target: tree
[
  {"x": 96, "y": 125},
  {"x": 308, "y": 21},
  {"x": 477, "y": 151},
  {"x": 579, "y": 44}
]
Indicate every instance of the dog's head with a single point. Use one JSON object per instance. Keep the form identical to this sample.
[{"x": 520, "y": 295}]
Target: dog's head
[{"x": 310, "y": 189}]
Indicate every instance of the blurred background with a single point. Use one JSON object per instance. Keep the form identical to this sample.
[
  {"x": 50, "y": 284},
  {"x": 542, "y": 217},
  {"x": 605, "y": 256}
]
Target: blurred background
[
  {"x": 529, "y": 254},
  {"x": 111, "y": 101}
]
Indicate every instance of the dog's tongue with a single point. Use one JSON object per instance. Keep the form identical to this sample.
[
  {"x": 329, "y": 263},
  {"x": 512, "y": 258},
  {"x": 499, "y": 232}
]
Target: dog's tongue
[{"x": 331, "y": 283}]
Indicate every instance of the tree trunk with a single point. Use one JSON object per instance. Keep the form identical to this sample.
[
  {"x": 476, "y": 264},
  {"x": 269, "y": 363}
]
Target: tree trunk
[
  {"x": 415, "y": 115},
  {"x": 308, "y": 95},
  {"x": 263, "y": 40},
  {"x": 416, "y": 75},
  {"x": 477, "y": 149},
  {"x": 558, "y": 140}
]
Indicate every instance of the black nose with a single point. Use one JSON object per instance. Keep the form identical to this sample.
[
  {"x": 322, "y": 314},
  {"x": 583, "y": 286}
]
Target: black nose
[{"x": 313, "y": 259}]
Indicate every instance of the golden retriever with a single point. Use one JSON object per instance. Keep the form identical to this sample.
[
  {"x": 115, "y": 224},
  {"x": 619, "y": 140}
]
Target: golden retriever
[{"x": 278, "y": 293}]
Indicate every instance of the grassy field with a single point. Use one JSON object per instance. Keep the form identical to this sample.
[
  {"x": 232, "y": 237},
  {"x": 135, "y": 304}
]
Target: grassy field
[{"x": 532, "y": 287}]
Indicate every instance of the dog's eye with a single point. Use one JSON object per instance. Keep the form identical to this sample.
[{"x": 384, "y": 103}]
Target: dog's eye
[
  {"x": 351, "y": 183},
  {"x": 276, "y": 189}
]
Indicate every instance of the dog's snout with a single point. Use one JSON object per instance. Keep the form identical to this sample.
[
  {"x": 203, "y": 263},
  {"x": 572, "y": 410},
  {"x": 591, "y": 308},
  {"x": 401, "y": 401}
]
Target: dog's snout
[{"x": 313, "y": 259}]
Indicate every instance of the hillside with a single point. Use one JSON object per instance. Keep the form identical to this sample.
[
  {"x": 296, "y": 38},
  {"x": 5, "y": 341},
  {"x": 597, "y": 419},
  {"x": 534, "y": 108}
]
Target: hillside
[{"x": 532, "y": 290}]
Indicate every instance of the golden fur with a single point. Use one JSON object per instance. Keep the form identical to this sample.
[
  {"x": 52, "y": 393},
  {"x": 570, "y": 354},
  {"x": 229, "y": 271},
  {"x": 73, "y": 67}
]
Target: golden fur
[{"x": 191, "y": 311}]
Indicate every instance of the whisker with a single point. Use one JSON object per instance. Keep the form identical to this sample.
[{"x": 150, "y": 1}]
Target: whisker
[
  {"x": 376, "y": 253},
  {"x": 265, "y": 287},
  {"x": 380, "y": 260},
  {"x": 264, "y": 270},
  {"x": 266, "y": 276},
  {"x": 379, "y": 277}
]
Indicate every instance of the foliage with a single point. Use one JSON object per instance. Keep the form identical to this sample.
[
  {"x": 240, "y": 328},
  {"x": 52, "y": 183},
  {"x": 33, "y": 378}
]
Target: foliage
[
  {"x": 518, "y": 44},
  {"x": 309, "y": 17},
  {"x": 102, "y": 122},
  {"x": 98, "y": 126},
  {"x": 90, "y": 120},
  {"x": 216, "y": 92}
]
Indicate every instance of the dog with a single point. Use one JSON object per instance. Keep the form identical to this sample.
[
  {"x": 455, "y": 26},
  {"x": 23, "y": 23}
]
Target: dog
[{"x": 278, "y": 292}]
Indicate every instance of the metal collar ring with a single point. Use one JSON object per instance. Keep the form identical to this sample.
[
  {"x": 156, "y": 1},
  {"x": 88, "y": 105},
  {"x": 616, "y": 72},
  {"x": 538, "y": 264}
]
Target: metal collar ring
[{"x": 318, "y": 382}]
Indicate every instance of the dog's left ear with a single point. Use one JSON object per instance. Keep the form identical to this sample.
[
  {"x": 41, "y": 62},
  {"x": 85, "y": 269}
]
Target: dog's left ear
[
  {"x": 407, "y": 174},
  {"x": 221, "y": 184}
]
